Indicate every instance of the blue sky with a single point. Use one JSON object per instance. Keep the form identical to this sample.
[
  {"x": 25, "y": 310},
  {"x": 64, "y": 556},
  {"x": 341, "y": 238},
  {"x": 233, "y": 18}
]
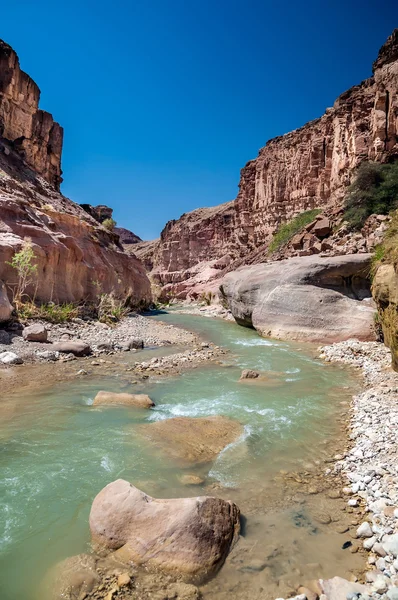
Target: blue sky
[{"x": 164, "y": 101}]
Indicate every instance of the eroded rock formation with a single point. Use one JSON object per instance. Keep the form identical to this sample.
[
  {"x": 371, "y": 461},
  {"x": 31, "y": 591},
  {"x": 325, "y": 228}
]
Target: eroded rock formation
[
  {"x": 33, "y": 132},
  {"x": 76, "y": 258},
  {"x": 304, "y": 169},
  {"x": 308, "y": 298}
]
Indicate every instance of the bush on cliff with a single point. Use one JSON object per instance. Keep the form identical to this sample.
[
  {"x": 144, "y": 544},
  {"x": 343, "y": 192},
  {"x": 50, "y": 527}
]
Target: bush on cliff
[
  {"x": 109, "y": 224},
  {"x": 285, "y": 232},
  {"x": 374, "y": 191}
]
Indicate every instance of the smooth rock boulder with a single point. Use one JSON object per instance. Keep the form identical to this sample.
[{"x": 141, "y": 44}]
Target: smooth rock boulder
[
  {"x": 190, "y": 537},
  {"x": 311, "y": 298},
  {"x": 111, "y": 398},
  {"x": 35, "y": 333},
  {"x": 6, "y": 307},
  {"x": 338, "y": 588},
  {"x": 78, "y": 348},
  {"x": 10, "y": 358},
  {"x": 192, "y": 440}
]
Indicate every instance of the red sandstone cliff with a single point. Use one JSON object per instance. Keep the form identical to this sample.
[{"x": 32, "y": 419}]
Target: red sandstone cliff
[
  {"x": 76, "y": 257},
  {"x": 306, "y": 168}
]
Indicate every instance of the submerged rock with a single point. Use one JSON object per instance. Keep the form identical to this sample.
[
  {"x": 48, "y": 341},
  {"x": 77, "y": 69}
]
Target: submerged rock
[
  {"x": 139, "y": 400},
  {"x": 249, "y": 374},
  {"x": 192, "y": 440},
  {"x": 190, "y": 537},
  {"x": 74, "y": 577}
]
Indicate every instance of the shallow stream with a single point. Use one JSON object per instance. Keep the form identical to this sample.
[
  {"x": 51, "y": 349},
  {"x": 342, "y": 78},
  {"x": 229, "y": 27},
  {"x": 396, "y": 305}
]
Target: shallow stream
[{"x": 58, "y": 451}]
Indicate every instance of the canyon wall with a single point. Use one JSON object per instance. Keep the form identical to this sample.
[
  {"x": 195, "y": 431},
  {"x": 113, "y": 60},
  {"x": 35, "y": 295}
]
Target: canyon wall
[
  {"x": 310, "y": 167},
  {"x": 76, "y": 257},
  {"x": 34, "y": 133}
]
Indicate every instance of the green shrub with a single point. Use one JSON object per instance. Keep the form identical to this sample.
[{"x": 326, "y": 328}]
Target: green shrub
[
  {"x": 109, "y": 224},
  {"x": 22, "y": 262},
  {"x": 285, "y": 232},
  {"x": 54, "y": 313},
  {"x": 374, "y": 191},
  {"x": 111, "y": 309}
]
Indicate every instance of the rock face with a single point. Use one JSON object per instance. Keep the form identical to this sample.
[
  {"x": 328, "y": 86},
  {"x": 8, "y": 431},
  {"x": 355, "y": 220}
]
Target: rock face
[
  {"x": 304, "y": 169},
  {"x": 33, "y": 131},
  {"x": 385, "y": 293},
  {"x": 192, "y": 440},
  {"x": 76, "y": 258},
  {"x": 190, "y": 537},
  {"x": 112, "y": 398},
  {"x": 308, "y": 298},
  {"x": 5, "y": 305}
]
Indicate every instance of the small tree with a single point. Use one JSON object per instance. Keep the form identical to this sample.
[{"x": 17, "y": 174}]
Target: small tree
[
  {"x": 109, "y": 224},
  {"x": 22, "y": 262}
]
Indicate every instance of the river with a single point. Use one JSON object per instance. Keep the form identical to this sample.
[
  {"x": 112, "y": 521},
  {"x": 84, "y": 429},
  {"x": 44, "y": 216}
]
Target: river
[{"x": 58, "y": 452}]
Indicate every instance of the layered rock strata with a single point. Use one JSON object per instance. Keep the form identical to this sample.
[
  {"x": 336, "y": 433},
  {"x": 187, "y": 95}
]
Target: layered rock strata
[
  {"x": 33, "y": 132},
  {"x": 76, "y": 258},
  {"x": 309, "y": 298},
  {"x": 308, "y": 168}
]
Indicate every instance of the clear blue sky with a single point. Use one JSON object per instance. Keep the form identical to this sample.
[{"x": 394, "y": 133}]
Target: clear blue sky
[{"x": 164, "y": 101}]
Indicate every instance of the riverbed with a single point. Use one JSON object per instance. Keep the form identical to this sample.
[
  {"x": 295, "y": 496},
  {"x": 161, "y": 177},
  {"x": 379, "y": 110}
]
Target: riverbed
[{"x": 58, "y": 451}]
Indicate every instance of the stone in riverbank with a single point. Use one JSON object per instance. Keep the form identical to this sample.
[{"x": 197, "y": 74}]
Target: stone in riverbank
[
  {"x": 190, "y": 537},
  {"x": 307, "y": 298},
  {"x": 112, "y": 398},
  {"x": 78, "y": 348},
  {"x": 192, "y": 440},
  {"x": 35, "y": 333},
  {"x": 371, "y": 464}
]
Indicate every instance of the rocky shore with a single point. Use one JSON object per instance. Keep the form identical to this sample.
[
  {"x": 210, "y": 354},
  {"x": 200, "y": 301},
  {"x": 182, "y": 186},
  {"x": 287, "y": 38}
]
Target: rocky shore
[
  {"x": 43, "y": 341},
  {"x": 371, "y": 465}
]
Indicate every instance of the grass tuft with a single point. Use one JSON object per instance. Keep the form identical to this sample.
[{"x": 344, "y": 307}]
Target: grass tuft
[{"x": 285, "y": 232}]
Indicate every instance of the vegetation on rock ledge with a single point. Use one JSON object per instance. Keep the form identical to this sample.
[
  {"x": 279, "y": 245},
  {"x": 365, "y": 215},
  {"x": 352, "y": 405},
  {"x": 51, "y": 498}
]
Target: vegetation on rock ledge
[
  {"x": 374, "y": 191},
  {"x": 285, "y": 232}
]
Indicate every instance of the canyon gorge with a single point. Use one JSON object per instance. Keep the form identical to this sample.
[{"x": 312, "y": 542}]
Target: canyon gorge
[
  {"x": 308, "y": 168},
  {"x": 76, "y": 257},
  {"x": 159, "y": 455}
]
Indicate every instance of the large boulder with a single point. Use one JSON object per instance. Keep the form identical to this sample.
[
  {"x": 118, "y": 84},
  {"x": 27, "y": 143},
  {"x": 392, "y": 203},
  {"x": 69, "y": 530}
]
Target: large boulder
[
  {"x": 312, "y": 298},
  {"x": 190, "y": 537},
  {"x": 110, "y": 398},
  {"x": 190, "y": 440},
  {"x": 5, "y": 305}
]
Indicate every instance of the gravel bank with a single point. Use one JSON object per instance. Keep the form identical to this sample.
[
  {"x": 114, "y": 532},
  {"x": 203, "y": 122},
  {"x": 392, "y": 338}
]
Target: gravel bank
[
  {"x": 371, "y": 465},
  {"x": 100, "y": 337}
]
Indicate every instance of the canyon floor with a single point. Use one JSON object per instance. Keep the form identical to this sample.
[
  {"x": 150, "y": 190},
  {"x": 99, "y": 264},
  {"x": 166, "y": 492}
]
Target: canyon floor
[{"x": 294, "y": 496}]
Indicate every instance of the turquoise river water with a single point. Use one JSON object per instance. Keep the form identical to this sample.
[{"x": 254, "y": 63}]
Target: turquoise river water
[{"x": 58, "y": 451}]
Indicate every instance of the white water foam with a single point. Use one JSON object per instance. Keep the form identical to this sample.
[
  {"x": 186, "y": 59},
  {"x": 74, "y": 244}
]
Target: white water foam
[
  {"x": 228, "y": 458},
  {"x": 254, "y": 342},
  {"x": 106, "y": 463}
]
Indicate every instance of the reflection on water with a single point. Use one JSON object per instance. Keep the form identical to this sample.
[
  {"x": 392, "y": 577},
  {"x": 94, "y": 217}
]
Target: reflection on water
[{"x": 58, "y": 451}]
